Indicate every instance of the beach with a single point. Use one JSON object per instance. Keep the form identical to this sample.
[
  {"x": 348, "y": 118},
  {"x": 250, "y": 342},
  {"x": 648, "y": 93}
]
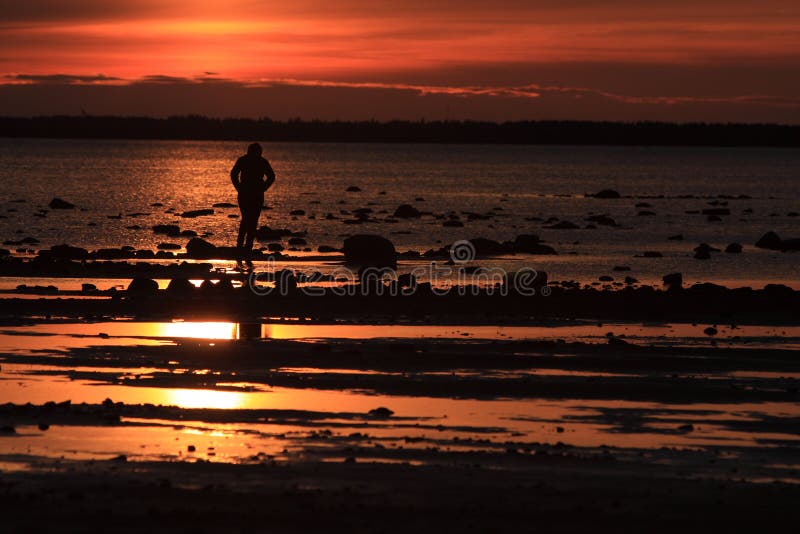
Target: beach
[{"x": 589, "y": 349}]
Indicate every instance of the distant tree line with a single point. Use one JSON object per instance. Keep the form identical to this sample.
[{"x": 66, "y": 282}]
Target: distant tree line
[{"x": 519, "y": 132}]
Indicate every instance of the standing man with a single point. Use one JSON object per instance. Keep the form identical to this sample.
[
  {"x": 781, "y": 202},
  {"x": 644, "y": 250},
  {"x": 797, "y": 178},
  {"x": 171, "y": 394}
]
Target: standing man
[{"x": 248, "y": 178}]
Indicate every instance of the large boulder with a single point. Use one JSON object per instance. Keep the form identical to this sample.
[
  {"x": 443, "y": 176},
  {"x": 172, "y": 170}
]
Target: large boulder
[
  {"x": 199, "y": 248},
  {"x": 366, "y": 249},
  {"x": 180, "y": 287},
  {"x": 143, "y": 286}
]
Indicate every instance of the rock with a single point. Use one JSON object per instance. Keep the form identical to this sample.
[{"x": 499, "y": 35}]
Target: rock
[
  {"x": 673, "y": 281},
  {"x": 716, "y": 211},
  {"x": 275, "y": 247},
  {"x": 369, "y": 249},
  {"x": 686, "y": 428},
  {"x": 285, "y": 281},
  {"x": 299, "y": 241},
  {"x": 223, "y": 205},
  {"x": 297, "y": 213},
  {"x": 606, "y": 278},
  {"x": 111, "y": 254},
  {"x": 645, "y": 213},
  {"x": 530, "y": 244},
  {"x": 191, "y": 214},
  {"x": 524, "y": 282},
  {"x": 603, "y": 220},
  {"x": 381, "y": 412},
  {"x": 171, "y": 230},
  {"x": 710, "y": 331},
  {"x": 66, "y": 252},
  {"x": 605, "y": 193},
  {"x": 326, "y": 249},
  {"x": 702, "y": 254},
  {"x": 199, "y": 248},
  {"x": 188, "y": 233},
  {"x": 180, "y": 286},
  {"x": 168, "y": 246},
  {"x": 734, "y": 248},
  {"x": 265, "y": 233},
  {"x": 629, "y": 280},
  {"x": 407, "y": 280},
  {"x": 652, "y": 254},
  {"x": 489, "y": 247},
  {"x": 143, "y": 286},
  {"x": 407, "y": 211},
  {"x": 453, "y": 223},
  {"x": 88, "y": 288},
  {"x": 225, "y": 286},
  {"x": 353, "y": 189},
  {"x": 563, "y": 225},
  {"x": 59, "y": 204},
  {"x": 620, "y": 268},
  {"x": 771, "y": 241}
]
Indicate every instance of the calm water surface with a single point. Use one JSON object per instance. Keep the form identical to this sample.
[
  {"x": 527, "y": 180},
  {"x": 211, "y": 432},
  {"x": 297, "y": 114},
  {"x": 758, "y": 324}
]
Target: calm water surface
[{"x": 516, "y": 183}]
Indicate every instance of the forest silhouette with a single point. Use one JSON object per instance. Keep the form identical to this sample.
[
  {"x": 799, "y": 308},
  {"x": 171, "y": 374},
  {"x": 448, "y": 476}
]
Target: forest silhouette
[{"x": 519, "y": 132}]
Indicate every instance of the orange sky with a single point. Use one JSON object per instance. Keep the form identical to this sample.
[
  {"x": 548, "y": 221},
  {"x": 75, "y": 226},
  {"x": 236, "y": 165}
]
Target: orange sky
[{"x": 710, "y": 55}]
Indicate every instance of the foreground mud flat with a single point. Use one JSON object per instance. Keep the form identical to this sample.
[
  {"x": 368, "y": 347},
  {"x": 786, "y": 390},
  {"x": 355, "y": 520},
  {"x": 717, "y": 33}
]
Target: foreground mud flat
[{"x": 200, "y": 429}]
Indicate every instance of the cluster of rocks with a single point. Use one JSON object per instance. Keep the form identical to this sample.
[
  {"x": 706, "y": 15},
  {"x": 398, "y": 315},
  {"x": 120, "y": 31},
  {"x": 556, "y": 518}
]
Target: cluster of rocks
[{"x": 369, "y": 249}]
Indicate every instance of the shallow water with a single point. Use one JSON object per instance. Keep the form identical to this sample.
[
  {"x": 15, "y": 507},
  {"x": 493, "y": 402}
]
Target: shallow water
[
  {"x": 321, "y": 419},
  {"x": 108, "y": 178},
  {"x": 127, "y": 332}
]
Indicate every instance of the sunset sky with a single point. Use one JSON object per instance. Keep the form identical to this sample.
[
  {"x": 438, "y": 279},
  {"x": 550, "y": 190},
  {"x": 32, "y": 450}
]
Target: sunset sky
[{"x": 731, "y": 60}]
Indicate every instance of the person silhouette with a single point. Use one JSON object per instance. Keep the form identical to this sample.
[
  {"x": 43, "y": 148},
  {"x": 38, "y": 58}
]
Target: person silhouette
[{"x": 247, "y": 176}]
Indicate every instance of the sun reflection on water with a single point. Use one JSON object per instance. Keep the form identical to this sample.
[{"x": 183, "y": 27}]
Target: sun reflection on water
[
  {"x": 201, "y": 330},
  {"x": 203, "y": 398}
]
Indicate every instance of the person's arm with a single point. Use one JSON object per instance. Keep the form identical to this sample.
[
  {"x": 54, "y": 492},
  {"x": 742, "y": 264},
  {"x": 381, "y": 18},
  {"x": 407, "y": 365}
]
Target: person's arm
[
  {"x": 270, "y": 175},
  {"x": 235, "y": 172}
]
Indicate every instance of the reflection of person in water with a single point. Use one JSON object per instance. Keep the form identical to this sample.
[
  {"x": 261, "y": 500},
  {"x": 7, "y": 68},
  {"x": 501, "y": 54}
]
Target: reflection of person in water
[{"x": 248, "y": 178}]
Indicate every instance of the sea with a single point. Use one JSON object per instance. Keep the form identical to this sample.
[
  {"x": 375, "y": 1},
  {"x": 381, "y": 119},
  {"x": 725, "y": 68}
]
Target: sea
[{"x": 117, "y": 185}]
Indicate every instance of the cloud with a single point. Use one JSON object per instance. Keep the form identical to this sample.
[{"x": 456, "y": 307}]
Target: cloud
[
  {"x": 163, "y": 95},
  {"x": 61, "y": 78}
]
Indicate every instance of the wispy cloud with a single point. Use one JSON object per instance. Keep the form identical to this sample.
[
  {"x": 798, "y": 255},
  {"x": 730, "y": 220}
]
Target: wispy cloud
[{"x": 526, "y": 91}]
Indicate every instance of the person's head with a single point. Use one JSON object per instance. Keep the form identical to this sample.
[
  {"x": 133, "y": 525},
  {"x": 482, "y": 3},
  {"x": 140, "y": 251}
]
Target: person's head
[{"x": 254, "y": 150}]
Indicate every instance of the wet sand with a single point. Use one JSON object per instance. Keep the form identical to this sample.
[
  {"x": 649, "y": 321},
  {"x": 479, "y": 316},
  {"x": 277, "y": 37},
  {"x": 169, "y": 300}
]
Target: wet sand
[
  {"x": 204, "y": 432},
  {"x": 579, "y": 409}
]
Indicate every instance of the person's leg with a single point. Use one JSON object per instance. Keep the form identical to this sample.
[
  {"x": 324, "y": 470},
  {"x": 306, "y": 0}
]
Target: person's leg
[
  {"x": 252, "y": 221},
  {"x": 252, "y": 226},
  {"x": 242, "y": 222}
]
